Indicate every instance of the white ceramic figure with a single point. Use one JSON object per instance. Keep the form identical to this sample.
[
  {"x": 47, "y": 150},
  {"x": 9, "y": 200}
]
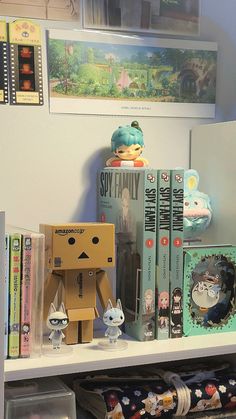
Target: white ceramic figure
[
  {"x": 113, "y": 318},
  {"x": 57, "y": 321}
]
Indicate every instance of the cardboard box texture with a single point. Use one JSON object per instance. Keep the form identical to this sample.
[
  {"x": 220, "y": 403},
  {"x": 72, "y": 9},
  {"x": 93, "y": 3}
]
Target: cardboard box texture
[{"x": 74, "y": 255}]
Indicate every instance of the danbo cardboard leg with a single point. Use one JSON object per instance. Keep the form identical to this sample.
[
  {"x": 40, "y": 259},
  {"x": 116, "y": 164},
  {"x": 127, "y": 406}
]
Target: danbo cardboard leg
[
  {"x": 71, "y": 333},
  {"x": 104, "y": 289},
  {"x": 83, "y": 318},
  {"x": 86, "y": 331}
]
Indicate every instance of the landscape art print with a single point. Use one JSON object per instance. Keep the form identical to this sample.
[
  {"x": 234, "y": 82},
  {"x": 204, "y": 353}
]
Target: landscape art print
[
  {"x": 116, "y": 75},
  {"x": 179, "y": 17}
]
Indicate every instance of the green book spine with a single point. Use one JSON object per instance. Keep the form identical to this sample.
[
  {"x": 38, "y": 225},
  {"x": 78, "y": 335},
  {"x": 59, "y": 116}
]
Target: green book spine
[
  {"x": 176, "y": 254},
  {"x": 14, "y": 309},
  {"x": 162, "y": 256}
]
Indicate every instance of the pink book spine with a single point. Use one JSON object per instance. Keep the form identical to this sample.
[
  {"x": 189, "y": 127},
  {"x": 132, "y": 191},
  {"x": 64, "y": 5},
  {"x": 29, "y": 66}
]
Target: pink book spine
[{"x": 26, "y": 296}]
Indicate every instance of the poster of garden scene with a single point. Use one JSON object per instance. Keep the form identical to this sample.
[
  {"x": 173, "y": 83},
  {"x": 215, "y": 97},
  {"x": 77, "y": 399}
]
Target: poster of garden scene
[{"x": 127, "y": 76}]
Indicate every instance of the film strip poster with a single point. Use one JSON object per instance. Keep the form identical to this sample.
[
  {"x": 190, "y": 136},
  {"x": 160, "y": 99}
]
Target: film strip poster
[
  {"x": 3, "y": 63},
  {"x": 25, "y": 63}
]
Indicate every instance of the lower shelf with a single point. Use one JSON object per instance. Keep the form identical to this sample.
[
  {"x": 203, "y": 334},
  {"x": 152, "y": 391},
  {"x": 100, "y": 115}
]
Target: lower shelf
[{"x": 88, "y": 357}]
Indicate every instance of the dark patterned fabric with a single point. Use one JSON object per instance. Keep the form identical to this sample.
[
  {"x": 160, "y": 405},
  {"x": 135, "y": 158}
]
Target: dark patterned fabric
[{"x": 148, "y": 399}]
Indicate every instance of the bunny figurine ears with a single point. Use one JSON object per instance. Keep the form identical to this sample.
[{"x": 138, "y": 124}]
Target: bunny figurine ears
[{"x": 197, "y": 207}]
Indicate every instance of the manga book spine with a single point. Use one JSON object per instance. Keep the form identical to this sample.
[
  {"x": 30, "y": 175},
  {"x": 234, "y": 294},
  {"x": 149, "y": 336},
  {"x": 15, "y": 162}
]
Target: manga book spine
[
  {"x": 14, "y": 309},
  {"x": 176, "y": 253},
  {"x": 6, "y": 300},
  {"x": 162, "y": 256},
  {"x": 26, "y": 295},
  {"x": 148, "y": 257}
]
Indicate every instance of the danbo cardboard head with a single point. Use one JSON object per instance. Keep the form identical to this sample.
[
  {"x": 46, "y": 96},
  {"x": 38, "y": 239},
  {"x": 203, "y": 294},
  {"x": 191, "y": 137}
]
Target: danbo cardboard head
[{"x": 79, "y": 245}]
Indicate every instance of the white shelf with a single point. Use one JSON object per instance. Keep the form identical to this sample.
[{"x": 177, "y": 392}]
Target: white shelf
[{"x": 88, "y": 357}]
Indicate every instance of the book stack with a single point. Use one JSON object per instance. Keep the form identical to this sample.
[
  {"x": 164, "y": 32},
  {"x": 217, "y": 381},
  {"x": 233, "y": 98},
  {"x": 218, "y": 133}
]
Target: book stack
[
  {"x": 146, "y": 206},
  {"x": 24, "y": 273}
]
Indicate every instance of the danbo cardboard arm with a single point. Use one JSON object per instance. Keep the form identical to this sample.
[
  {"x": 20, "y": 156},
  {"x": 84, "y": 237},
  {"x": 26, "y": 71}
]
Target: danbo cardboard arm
[
  {"x": 104, "y": 289},
  {"x": 51, "y": 286}
]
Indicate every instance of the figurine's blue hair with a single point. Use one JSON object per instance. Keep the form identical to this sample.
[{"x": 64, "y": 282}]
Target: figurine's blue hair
[{"x": 127, "y": 136}]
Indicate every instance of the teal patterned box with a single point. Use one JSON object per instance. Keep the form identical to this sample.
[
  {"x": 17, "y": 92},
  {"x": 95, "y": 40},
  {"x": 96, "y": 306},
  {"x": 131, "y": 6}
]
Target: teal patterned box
[{"x": 209, "y": 289}]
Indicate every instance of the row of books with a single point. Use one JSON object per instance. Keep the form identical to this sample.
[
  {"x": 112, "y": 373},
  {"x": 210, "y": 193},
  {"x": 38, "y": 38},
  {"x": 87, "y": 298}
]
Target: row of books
[
  {"x": 24, "y": 272},
  {"x": 146, "y": 206}
]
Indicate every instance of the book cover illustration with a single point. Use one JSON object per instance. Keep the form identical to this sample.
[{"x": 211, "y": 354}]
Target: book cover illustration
[
  {"x": 127, "y": 198},
  {"x": 14, "y": 309},
  {"x": 3, "y": 62},
  {"x": 26, "y": 295},
  {"x": 176, "y": 253},
  {"x": 162, "y": 255},
  {"x": 25, "y": 63},
  {"x": 6, "y": 292},
  {"x": 209, "y": 290}
]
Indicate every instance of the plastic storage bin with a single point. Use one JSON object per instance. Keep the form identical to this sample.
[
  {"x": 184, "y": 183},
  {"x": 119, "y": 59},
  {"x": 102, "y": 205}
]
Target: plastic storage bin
[{"x": 44, "y": 398}]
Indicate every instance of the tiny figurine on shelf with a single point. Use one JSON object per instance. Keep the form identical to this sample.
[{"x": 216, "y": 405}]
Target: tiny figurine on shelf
[
  {"x": 197, "y": 207},
  {"x": 57, "y": 321},
  {"x": 74, "y": 255},
  {"x": 113, "y": 317},
  {"x": 127, "y": 145}
]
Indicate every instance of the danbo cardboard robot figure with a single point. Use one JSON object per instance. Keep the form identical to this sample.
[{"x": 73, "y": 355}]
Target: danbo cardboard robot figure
[{"x": 74, "y": 255}]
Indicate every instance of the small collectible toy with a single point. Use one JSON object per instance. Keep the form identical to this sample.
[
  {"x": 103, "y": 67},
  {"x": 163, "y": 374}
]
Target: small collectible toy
[
  {"x": 57, "y": 321},
  {"x": 209, "y": 289},
  {"x": 74, "y": 254},
  {"x": 113, "y": 317},
  {"x": 127, "y": 145},
  {"x": 197, "y": 207}
]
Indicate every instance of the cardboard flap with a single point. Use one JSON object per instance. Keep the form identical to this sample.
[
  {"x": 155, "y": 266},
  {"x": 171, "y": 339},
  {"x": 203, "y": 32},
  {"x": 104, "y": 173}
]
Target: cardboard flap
[{"x": 78, "y": 314}]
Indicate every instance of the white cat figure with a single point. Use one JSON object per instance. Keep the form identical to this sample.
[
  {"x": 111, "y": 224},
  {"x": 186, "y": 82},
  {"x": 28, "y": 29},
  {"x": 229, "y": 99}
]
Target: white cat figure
[
  {"x": 113, "y": 317},
  {"x": 57, "y": 321}
]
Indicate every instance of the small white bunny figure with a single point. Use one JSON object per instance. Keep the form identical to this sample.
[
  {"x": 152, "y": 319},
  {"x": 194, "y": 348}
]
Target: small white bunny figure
[
  {"x": 56, "y": 321},
  {"x": 113, "y": 317}
]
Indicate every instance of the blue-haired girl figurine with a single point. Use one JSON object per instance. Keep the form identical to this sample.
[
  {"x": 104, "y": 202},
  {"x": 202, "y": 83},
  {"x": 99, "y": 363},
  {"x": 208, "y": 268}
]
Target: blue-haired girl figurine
[{"x": 127, "y": 145}]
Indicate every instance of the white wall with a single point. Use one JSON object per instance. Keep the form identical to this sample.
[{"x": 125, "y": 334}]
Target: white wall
[{"x": 48, "y": 163}]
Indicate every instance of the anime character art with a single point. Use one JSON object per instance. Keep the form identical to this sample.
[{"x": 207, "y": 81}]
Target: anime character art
[
  {"x": 57, "y": 321},
  {"x": 211, "y": 403},
  {"x": 127, "y": 145},
  {"x": 212, "y": 292},
  {"x": 197, "y": 207},
  {"x": 149, "y": 301},
  {"x": 176, "y": 311},
  {"x": 163, "y": 309},
  {"x": 154, "y": 404}
]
